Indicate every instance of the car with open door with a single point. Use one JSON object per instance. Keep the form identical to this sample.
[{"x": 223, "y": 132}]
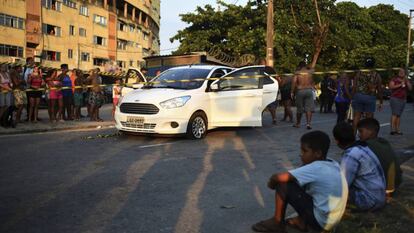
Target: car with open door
[{"x": 194, "y": 99}]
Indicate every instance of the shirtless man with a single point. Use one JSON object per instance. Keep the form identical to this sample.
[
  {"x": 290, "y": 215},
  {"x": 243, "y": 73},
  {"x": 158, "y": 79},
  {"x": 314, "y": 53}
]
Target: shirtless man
[
  {"x": 302, "y": 87},
  {"x": 95, "y": 97}
]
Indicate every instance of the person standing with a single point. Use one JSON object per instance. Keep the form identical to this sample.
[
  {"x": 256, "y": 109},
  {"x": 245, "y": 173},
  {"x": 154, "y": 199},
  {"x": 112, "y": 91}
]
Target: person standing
[
  {"x": 302, "y": 88},
  {"x": 399, "y": 86},
  {"x": 19, "y": 86},
  {"x": 78, "y": 94},
  {"x": 342, "y": 98},
  {"x": 55, "y": 96},
  {"x": 67, "y": 93},
  {"x": 36, "y": 82},
  {"x": 286, "y": 98},
  {"x": 116, "y": 94},
  {"x": 28, "y": 69},
  {"x": 95, "y": 96},
  {"x": 324, "y": 95},
  {"x": 367, "y": 86},
  {"x": 6, "y": 98}
]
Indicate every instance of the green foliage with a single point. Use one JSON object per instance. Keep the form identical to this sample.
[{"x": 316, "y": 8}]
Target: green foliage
[{"x": 355, "y": 33}]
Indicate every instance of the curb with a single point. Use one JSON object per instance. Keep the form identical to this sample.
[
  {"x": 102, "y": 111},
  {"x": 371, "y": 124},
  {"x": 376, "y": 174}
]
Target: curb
[{"x": 68, "y": 128}]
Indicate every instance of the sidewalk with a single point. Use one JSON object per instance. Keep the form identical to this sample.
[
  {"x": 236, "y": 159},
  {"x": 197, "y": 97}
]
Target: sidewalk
[{"x": 45, "y": 125}]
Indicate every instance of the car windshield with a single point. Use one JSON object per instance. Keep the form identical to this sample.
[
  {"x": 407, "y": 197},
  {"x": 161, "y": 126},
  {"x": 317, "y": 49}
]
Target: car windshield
[{"x": 189, "y": 78}]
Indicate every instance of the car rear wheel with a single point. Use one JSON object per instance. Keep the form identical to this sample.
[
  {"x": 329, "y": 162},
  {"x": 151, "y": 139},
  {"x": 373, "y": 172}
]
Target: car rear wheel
[{"x": 197, "y": 126}]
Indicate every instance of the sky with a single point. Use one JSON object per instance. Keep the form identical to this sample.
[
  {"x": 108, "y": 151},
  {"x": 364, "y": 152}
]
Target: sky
[{"x": 171, "y": 21}]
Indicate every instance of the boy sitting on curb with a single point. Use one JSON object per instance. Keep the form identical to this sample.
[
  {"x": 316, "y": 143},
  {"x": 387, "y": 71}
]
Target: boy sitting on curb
[
  {"x": 317, "y": 190},
  {"x": 362, "y": 170},
  {"x": 368, "y": 130}
]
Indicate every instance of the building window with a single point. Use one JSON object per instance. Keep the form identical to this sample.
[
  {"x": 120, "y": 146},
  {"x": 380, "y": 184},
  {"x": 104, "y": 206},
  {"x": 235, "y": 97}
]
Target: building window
[
  {"x": 121, "y": 63},
  {"x": 71, "y": 30},
  {"x": 51, "y": 55},
  {"x": 145, "y": 36},
  {"x": 131, "y": 63},
  {"x": 121, "y": 44},
  {"x": 99, "y": 20},
  {"x": 11, "y": 50},
  {"x": 130, "y": 44},
  {"x": 11, "y": 21},
  {"x": 99, "y": 61},
  {"x": 52, "y": 4},
  {"x": 83, "y": 10},
  {"x": 69, "y": 3},
  {"x": 98, "y": 40},
  {"x": 51, "y": 30},
  {"x": 85, "y": 56},
  {"x": 131, "y": 28},
  {"x": 70, "y": 53},
  {"x": 82, "y": 32},
  {"x": 121, "y": 26}
]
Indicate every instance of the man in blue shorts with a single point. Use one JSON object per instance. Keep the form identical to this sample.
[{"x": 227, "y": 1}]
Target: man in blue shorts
[{"x": 367, "y": 86}]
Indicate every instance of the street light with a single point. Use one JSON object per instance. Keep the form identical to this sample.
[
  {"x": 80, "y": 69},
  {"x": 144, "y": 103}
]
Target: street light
[{"x": 409, "y": 39}]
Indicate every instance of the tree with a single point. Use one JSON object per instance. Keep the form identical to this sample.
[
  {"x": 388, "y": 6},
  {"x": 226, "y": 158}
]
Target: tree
[{"x": 341, "y": 37}]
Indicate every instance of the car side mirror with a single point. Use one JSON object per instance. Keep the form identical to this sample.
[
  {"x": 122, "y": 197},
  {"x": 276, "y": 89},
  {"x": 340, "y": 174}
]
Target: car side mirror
[{"x": 214, "y": 87}]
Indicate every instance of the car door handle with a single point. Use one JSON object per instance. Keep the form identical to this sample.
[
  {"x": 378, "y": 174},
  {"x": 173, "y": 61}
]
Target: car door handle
[
  {"x": 251, "y": 95},
  {"x": 267, "y": 92}
]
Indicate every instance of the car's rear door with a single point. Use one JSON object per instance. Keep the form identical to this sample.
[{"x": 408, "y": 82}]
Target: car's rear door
[{"x": 238, "y": 101}]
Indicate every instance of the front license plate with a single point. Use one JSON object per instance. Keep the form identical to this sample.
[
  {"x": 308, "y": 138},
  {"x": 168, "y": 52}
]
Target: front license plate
[{"x": 135, "y": 120}]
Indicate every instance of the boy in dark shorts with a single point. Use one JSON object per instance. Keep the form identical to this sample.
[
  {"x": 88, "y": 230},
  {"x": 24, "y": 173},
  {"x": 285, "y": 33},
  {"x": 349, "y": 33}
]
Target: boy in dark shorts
[{"x": 317, "y": 190}]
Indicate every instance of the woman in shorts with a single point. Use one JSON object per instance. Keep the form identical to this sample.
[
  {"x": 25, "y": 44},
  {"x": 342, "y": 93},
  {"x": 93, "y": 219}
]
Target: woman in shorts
[
  {"x": 55, "y": 96},
  {"x": 36, "y": 82},
  {"x": 399, "y": 86}
]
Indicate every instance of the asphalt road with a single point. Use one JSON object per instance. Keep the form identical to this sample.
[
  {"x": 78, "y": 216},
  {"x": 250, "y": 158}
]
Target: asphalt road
[{"x": 97, "y": 181}]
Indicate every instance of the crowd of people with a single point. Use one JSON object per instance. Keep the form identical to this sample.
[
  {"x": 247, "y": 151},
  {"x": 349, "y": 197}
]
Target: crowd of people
[
  {"x": 321, "y": 190},
  {"x": 65, "y": 92},
  {"x": 354, "y": 95}
]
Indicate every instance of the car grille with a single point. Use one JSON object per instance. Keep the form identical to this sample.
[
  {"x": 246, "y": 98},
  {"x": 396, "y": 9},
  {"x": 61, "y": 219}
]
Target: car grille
[
  {"x": 138, "y": 126},
  {"x": 138, "y": 108}
]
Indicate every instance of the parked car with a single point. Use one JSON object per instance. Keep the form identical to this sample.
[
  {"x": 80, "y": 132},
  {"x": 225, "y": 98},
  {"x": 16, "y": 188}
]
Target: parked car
[{"x": 184, "y": 100}]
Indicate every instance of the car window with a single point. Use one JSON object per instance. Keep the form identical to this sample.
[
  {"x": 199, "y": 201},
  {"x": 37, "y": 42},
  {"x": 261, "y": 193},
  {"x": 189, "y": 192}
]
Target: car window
[
  {"x": 133, "y": 76},
  {"x": 186, "y": 78},
  {"x": 241, "y": 80}
]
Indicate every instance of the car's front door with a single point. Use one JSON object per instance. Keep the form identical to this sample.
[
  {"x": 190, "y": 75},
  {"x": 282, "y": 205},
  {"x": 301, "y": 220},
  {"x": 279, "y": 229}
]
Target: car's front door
[{"x": 238, "y": 100}]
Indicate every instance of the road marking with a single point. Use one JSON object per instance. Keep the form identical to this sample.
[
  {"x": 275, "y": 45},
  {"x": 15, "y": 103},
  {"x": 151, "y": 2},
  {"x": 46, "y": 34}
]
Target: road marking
[
  {"x": 385, "y": 124},
  {"x": 156, "y": 145}
]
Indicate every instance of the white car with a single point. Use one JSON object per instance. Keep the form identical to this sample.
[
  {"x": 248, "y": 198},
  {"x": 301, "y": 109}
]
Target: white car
[{"x": 182, "y": 101}]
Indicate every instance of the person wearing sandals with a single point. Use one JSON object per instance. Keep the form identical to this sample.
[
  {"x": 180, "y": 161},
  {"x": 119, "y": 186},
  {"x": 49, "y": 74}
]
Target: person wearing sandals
[
  {"x": 36, "y": 82},
  {"x": 302, "y": 88},
  {"x": 399, "y": 86},
  {"x": 19, "y": 86},
  {"x": 317, "y": 190}
]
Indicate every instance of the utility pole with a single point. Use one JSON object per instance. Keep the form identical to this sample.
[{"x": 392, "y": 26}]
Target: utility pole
[
  {"x": 409, "y": 40},
  {"x": 269, "y": 35}
]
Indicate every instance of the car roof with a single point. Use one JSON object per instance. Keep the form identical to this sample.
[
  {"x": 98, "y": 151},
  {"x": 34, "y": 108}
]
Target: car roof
[{"x": 206, "y": 67}]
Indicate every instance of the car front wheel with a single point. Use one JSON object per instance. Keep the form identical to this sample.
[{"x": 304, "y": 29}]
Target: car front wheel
[{"x": 197, "y": 126}]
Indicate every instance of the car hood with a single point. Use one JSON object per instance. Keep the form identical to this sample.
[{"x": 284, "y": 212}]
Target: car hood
[{"x": 154, "y": 95}]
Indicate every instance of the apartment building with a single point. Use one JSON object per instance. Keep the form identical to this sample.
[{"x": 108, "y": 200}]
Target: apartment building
[{"x": 82, "y": 33}]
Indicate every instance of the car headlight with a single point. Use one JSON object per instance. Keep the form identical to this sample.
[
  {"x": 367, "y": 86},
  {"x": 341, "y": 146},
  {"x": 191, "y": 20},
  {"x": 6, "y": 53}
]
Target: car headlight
[{"x": 175, "y": 102}]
